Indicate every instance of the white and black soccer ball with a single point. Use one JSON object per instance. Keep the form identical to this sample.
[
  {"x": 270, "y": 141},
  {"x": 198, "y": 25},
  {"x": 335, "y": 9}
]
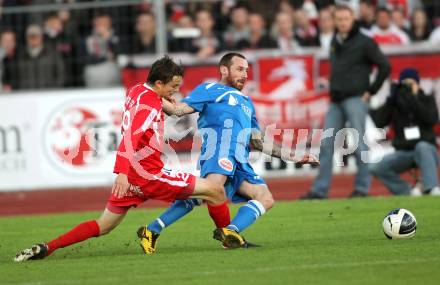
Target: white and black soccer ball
[{"x": 399, "y": 224}]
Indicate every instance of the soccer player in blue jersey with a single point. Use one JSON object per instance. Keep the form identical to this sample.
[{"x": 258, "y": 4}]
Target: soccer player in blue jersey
[{"x": 228, "y": 126}]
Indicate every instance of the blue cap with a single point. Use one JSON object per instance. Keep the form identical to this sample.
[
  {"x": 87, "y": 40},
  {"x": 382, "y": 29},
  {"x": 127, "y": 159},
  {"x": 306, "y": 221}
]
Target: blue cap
[{"x": 409, "y": 73}]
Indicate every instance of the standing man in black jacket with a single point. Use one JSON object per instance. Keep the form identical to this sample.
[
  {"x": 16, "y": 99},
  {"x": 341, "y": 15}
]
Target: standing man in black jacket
[
  {"x": 413, "y": 115},
  {"x": 352, "y": 57}
]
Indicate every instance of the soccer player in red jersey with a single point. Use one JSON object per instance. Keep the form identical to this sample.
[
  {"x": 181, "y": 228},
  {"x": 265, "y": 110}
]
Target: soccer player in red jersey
[{"x": 140, "y": 171}]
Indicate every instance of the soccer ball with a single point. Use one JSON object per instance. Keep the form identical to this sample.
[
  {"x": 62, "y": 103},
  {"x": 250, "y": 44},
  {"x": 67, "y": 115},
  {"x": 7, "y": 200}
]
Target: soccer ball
[{"x": 399, "y": 224}]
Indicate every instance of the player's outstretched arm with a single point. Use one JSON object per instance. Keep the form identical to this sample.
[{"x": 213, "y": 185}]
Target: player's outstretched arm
[
  {"x": 275, "y": 150},
  {"x": 176, "y": 109}
]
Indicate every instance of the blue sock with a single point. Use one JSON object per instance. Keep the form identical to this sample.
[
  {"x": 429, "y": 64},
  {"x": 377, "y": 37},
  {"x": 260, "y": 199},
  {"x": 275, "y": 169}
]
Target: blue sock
[
  {"x": 246, "y": 216},
  {"x": 179, "y": 209}
]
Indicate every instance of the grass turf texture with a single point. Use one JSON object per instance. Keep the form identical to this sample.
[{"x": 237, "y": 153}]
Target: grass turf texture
[{"x": 316, "y": 242}]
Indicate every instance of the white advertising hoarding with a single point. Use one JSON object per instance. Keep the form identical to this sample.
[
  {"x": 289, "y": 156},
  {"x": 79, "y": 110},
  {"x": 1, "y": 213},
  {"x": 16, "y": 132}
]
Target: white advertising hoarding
[
  {"x": 63, "y": 139},
  {"x": 59, "y": 138}
]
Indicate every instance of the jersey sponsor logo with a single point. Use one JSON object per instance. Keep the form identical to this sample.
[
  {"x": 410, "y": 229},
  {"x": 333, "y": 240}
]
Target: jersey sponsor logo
[
  {"x": 232, "y": 100},
  {"x": 246, "y": 110},
  {"x": 226, "y": 164}
]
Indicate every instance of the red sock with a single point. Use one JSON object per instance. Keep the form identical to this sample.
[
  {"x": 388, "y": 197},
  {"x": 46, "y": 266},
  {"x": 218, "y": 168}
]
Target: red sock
[
  {"x": 77, "y": 234},
  {"x": 220, "y": 214}
]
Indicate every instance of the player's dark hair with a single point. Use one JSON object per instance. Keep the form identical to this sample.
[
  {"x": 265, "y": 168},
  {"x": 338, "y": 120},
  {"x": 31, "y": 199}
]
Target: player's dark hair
[
  {"x": 226, "y": 60},
  {"x": 164, "y": 70}
]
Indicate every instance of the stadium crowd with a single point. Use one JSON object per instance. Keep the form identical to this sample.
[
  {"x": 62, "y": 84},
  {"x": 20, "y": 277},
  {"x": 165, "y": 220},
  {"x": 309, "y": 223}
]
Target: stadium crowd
[{"x": 81, "y": 47}]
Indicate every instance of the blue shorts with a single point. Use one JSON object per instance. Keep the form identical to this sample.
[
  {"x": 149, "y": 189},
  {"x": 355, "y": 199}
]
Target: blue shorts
[{"x": 236, "y": 171}]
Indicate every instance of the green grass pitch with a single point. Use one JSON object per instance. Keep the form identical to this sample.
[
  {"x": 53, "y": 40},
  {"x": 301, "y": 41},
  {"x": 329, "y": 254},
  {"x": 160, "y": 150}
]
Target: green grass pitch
[{"x": 317, "y": 242}]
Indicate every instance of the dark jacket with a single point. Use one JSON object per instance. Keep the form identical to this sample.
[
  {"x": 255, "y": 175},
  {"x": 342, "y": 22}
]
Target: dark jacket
[
  {"x": 265, "y": 41},
  {"x": 403, "y": 109},
  {"x": 44, "y": 71},
  {"x": 351, "y": 63},
  {"x": 10, "y": 73}
]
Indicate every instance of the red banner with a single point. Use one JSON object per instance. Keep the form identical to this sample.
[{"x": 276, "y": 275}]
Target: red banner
[{"x": 283, "y": 87}]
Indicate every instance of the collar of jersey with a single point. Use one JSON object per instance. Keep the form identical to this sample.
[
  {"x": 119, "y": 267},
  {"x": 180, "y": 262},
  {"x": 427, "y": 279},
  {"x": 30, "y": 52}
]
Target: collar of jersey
[{"x": 235, "y": 91}]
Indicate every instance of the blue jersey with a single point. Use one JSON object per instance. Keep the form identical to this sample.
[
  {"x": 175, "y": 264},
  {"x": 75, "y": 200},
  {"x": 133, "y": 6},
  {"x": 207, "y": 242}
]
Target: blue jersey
[{"x": 226, "y": 120}]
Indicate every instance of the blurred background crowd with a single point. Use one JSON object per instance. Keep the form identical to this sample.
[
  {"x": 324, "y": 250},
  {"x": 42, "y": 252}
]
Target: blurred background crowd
[{"x": 56, "y": 46}]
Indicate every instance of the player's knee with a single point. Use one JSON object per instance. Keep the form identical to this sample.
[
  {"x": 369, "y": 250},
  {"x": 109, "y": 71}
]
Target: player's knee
[
  {"x": 104, "y": 227},
  {"x": 267, "y": 200},
  {"x": 217, "y": 192}
]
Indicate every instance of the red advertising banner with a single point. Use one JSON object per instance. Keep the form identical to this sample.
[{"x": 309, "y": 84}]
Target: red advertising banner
[
  {"x": 283, "y": 87},
  {"x": 428, "y": 65},
  {"x": 285, "y": 77}
]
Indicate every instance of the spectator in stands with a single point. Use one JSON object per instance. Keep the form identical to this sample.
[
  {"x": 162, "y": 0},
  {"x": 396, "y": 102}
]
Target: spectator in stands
[
  {"x": 399, "y": 20},
  {"x": 144, "y": 41},
  {"x": 326, "y": 28},
  {"x": 221, "y": 13},
  {"x": 209, "y": 43},
  {"x": 286, "y": 7},
  {"x": 71, "y": 21},
  {"x": 310, "y": 10},
  {"x": 8, "y": 61},
  {"x": 239, "y": 28},
  {"x": 367, "y": 14},
  {"x": 420, "y": 26},
  {"x": 185, "y": 21},
  {"x": 38, "y": 65},
  {"x": 99, "y": 54},
  {"x": 284, "y": 30},
  {"x": 305, "y": 33},
  {"x": 412, "y": 115},
  {"x": 259, "y": 38},
  {"x": 56, "y": 39},
  {"x": 407, "y": 6},
  {"x": 182, "y": 41},
  {"x": 384, "y": 32},
  {"x": 434, "y": 38},
  {"x": 352, "y": 57}
]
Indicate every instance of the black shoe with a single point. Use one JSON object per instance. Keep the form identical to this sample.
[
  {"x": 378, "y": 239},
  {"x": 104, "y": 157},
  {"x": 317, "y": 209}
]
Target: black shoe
[
  {"x": 358, "y": 194},
  {"x": 311, "y": 196},
  {"x": 37, "y": 251},
  {"x": 250, "y": 245}
]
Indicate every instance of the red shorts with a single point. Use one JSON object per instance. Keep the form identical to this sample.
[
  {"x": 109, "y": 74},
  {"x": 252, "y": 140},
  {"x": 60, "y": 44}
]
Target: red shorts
[{"x": 168, "y": 186}]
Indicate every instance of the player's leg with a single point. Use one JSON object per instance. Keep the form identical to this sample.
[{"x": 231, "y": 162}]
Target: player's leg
[
  {"x": 219, "y": 212},
  {"x": 175, "y": 212},
  {"x": 260, "y": 202},
  {"x": 93, "y": 228},
  {"x": 190, "y": 191},
  {"x": 180, "y": 208}
]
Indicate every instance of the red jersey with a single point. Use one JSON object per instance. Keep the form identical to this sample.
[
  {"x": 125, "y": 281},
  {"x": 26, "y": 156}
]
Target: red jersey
[{"x": 139, "y": 153}]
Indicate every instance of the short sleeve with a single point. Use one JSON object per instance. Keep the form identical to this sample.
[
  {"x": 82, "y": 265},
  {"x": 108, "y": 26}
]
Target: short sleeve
[{"x": 198, "y": 98}]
